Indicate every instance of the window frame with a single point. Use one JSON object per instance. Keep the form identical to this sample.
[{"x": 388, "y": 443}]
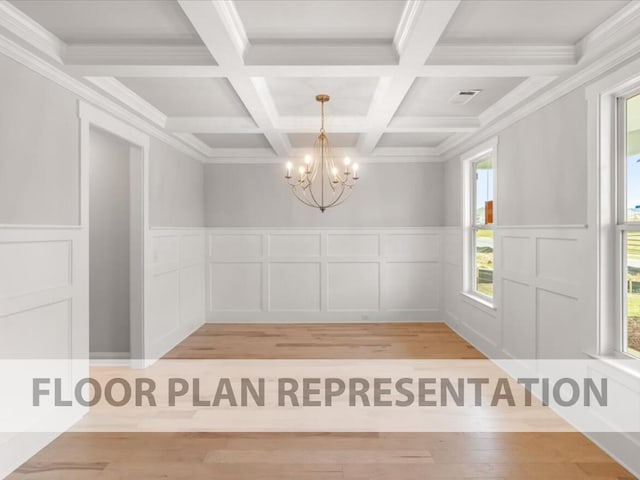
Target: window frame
[
  {"x": 622, "y": 226},
  {"x": 469, "y": 162}
]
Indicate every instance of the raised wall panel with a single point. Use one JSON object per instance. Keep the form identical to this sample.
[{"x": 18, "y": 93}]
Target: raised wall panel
[
  {"x": 558, "y": 326},
  {"x": 324, "y": 275},
  {"x": 517, "y": 255},
  {"x": 413, "y": 246},
  {"x": 232, "y": 246},
  {"x": 294, "y": 286},
  {"x": 178, "y": 291},
  {"x": 557, "y": 259},
  {"x": 166, "y": 251},
  {"x": 452, "y": 248},
  {"x": 353, "y": 286},
  {"x": 353, "y": 245},
  {"x": 165, "y": 307},
  {"x": 40, "y": 332},
  {"x": 191, "y": 249},
  {"x": 412, "y": 286},
  {"x": 519, "y": 320},
  {"x": 192, "y": 294},
  {"x": 29, "y": 267},
  {"x": 452, "y": 288},
  {"x": 283, "y": 245},
  {"x": 236, "y": 286}
]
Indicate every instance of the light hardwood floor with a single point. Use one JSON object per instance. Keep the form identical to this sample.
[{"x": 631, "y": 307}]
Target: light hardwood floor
[{"x": 323, "y": 456}]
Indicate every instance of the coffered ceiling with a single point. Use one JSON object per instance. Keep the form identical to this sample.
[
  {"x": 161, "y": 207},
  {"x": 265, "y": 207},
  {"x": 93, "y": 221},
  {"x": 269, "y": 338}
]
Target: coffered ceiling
[{"x": 235, "y": 81}]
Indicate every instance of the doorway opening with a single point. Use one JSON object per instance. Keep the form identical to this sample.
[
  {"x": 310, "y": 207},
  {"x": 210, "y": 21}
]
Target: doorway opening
[{"x": 116, "y": 241}]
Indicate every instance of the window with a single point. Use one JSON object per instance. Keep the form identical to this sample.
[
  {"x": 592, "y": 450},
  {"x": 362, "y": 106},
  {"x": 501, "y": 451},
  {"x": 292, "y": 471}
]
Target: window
[
  {"x": 628, "y": 219},
  {"x": 479, "y": 221}
]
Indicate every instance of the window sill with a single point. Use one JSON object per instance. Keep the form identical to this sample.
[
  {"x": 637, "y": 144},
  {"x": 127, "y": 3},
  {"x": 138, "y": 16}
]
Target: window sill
[
  {"x": 620, "y": 361},
  {"x": 478, "y": 301}
]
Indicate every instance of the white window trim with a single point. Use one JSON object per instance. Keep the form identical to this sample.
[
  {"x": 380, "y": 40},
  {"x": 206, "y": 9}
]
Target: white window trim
[
  {"x": 490, "y": 147},
  {"x": 606, "y": 307}
]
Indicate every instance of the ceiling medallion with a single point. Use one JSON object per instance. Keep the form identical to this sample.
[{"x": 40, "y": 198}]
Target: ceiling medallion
[{"x": 320, "y": 183}]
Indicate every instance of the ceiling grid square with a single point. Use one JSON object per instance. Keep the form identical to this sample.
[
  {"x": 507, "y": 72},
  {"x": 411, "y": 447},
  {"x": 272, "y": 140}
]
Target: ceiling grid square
[{"x": 236, "y": 80}]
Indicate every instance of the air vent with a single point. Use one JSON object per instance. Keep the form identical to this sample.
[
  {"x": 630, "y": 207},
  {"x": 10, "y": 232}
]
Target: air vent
[{"x": 463, "y": 96}]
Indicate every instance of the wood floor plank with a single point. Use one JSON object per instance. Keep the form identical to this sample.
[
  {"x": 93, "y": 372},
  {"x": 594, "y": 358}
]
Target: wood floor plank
[{"x": 323, "y": 456}]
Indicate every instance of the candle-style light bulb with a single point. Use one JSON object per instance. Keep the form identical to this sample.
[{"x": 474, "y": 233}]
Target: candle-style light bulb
[
  {"x": 347, "y": 162},
  {"x": 356, "y": 167},
  {"x": 301, "y": 170},
  {"x": 289, "y": 167},
  {"x": 334, "y": 171},
  {"x": 307, "y": 161}
]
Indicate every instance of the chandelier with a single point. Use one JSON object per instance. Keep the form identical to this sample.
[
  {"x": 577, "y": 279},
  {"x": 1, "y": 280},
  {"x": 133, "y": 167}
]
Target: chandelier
[{"x": 320, "y": 183}]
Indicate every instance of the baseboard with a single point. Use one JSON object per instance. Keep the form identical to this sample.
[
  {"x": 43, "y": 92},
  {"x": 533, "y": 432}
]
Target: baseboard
[
  {"x": 621, "y": 447},
  {"x": 425, "y": 316},
  {"x": 169, "y": 341}
]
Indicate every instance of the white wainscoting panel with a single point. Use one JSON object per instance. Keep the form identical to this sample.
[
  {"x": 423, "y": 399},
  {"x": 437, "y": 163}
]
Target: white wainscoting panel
[
  {"x": 43, "y": 293},
  {"x": 294, "y": 286},
  {"x": 236, "y": 286},
  {"x": 276, "y": 275},
  {"x": 177, "y": 293},
  {"x": 540, "y": 290},
  {"x": 353, "y": 286}
]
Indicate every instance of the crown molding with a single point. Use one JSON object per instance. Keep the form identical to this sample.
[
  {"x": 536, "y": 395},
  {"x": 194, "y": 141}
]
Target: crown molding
[
  {"x": 22, "y": 26},
  {"x": 117, "y": 90},
  {"x": 212, "y": 125},
  {"x": 432, "y": 124},
  {"x": 521, "y": 92},
  {"x": 195, "y": 143},
  {"x": 623, "y": 24},
  {"x": 41, "y": 66},
  {"x": 614, "y": 57},
  {"x": 485, "y": 54},
  {"x": 275, "y": 160}
]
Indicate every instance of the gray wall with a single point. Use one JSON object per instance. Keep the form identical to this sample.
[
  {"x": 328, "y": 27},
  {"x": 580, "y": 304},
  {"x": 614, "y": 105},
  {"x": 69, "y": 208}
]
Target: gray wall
[
  {"x": 176, "y": 188},
  {"x": 109, "y": 243},
  {"x": 452, "y": 193},
  {"x": 402, "y": 195},
  {"x": 39, "y": 149},
  {"x": 542, "y": 168}
]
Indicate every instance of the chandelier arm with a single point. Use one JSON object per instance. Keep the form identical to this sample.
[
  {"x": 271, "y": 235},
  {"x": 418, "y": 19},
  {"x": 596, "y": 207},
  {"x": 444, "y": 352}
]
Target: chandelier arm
[
  {"x": 340, "y": 201},
  {"x": 337, "y": 200},
  {"x": 302, "y": 198}
]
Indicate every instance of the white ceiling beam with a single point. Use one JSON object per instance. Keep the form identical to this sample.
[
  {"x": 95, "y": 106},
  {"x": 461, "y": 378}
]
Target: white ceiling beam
[
  {"x": 220, "y": 29},
  {"x": 471, "y": 54},
  {"x": 131, "y": 99},
  {"x": 309, "y": 124},
  {"x": 124, "y": 70},
  {"x": 416, "y": 37},
  {"x": 135, "y": 54},
  {"x": 12, "y": 20},
  {"x": 321, "y": 53},
  {"x": 160, "y": 71}
]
